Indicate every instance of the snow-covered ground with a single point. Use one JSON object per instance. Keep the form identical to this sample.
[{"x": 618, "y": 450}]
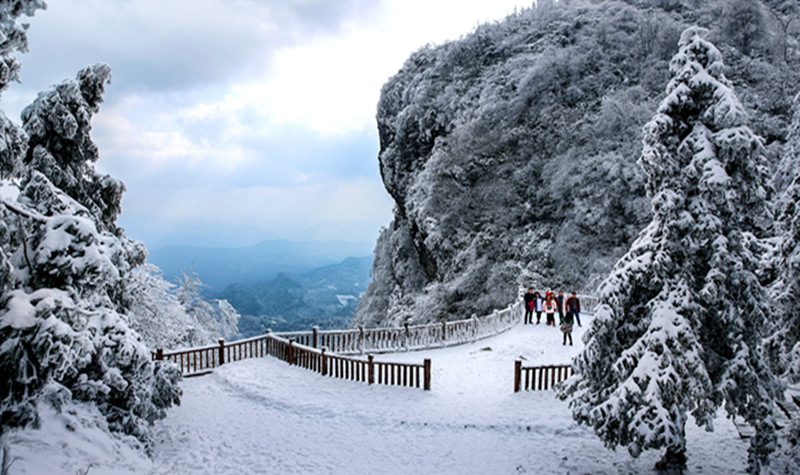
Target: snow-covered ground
[{"x": 263, "y": 416}]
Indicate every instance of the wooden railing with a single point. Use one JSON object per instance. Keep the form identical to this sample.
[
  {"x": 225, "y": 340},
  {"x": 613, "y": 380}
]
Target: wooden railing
[
  {"x": 343, "y": 367},
  {"x": 409, "y": 337},
  {"x": 533, "y": 378},
  {"x": 327, "y": 352},
  {"x": 588, "y": 303},
  {"x": 198, "y": 361}
]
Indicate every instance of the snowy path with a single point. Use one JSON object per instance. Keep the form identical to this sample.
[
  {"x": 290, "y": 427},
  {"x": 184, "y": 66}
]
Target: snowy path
[{"x": 262, "y": 416}]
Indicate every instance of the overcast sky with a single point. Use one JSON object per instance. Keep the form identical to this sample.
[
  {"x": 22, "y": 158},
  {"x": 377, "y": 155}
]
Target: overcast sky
[{"x": 232, "y": 121}]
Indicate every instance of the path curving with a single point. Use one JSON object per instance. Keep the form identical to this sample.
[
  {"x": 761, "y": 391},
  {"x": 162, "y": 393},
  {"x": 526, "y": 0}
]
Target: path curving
[{"x": 263, "y": 416}]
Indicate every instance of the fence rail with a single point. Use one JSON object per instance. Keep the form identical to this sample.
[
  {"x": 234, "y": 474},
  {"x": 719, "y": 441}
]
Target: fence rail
[
  {"x": 358, "y": 341},
  {"x": 409, "y": 337},
  {"x": 198, "y": 361},
  {"x": 539, "y": 378},
  {"x": 329, "y": 352}
]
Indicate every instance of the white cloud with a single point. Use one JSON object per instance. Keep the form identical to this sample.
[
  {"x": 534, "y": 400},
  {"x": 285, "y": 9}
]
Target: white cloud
[
  {"x": 288, "y": 209},
  {"x": 331, "y": 84},
  {"x": 249, "y": 111}
]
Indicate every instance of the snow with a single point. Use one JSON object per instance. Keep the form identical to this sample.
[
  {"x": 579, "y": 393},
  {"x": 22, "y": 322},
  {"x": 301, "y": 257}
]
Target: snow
[
  {"x": 8, "y": 190},
  {"x": 74, "y": 440},
  {"x": 263, "y": 416}
]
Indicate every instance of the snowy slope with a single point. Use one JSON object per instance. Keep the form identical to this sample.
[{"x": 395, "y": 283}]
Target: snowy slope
[{"x": 263, "y": 416}]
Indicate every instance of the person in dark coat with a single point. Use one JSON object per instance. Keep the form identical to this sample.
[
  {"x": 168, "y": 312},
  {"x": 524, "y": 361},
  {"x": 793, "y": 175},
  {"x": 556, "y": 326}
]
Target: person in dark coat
[
  {"x": 566, "y": 327},
  {"x": 574, "y": 307},
  {"x": 529, "y": 304},
  {"x": 561, "y": 305}
]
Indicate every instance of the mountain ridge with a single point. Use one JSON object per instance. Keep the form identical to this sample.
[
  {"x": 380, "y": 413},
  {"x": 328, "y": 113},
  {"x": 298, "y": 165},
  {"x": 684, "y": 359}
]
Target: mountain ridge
[
  {"x": 326, "y": 296},
  {"x": 218, "y": 267}
]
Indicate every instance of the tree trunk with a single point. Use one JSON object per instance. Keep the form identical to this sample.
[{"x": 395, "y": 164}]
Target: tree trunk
[{"x": 673, "y": 461}]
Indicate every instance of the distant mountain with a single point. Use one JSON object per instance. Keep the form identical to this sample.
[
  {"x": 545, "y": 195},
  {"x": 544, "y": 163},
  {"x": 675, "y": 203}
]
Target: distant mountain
[
  {"x": 219, "y": 267},
  {"x": 325, "y": 296}
]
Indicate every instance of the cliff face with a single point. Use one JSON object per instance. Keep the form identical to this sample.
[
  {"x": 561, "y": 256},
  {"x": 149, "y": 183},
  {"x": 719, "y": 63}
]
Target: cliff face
[{"x": 511, "y": 153}]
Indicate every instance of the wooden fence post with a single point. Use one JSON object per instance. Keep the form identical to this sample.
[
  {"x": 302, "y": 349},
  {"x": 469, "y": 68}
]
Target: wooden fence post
[
  {"x": 407, "y": 336},
  {"x": 290, "y": 356},
  {"x": 444, "y": 331},
  {"x": 427, "y": 363},
  {"x": 315, "y": 336},
  {"x": 324, "y": 363},
  {"x": 361, "y": 339},
  {"x": 370, "y": 369},
  {"x": 159, "y": 354},
  {"x": 517, "y": 375},
  {"x": 221, "y": 352}
]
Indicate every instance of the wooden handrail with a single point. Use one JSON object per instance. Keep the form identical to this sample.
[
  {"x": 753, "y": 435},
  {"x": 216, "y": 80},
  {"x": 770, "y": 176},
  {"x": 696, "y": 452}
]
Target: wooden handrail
[
  {"x": 328, "y": 352},
  {"x": 193, "y": 361},
  {"x": 538, "y": 378},
  {"x": 345, "y": 367},
  {"x": 199, "y": 361}
]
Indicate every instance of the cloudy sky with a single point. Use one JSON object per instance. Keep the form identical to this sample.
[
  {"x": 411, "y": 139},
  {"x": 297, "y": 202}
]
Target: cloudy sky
[{"x": 233, "y": 121}]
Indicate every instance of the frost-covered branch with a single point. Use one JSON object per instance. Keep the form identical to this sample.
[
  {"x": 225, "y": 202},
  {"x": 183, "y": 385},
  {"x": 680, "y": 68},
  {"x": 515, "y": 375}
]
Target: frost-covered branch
[{"x": 15, "y": 208}]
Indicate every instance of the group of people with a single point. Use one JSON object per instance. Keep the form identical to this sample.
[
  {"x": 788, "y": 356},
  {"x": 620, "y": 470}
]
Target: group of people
[{"x": 569, "y": 310}]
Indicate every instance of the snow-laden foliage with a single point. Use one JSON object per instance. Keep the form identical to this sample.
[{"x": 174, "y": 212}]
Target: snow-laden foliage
[
  {"x": 170, "y": 316},
  {"x": 784, "y": 343},
  {"x": 65, "y": 265},
  {"x": 13, "y": 36},
  {"x": 683, "y": 312},
  {"x": 510, "y": 153},
  {"x": 58, "y": 124},
  {"x": 213, "y": 317}
]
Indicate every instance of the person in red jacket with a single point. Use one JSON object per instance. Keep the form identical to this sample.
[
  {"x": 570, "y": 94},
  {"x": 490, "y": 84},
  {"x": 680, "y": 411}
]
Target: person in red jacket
[
  {"x": 574, "y": 307},
  {"x": 550, "y": 309}
]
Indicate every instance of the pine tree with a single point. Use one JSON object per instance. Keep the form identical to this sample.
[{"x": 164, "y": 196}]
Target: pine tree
[
  {"x": 784, "y": 342},
  {"x": 58, "y": 124},
  {"x": 683, "y": 312},
  {"x": 64, "y": 264}
]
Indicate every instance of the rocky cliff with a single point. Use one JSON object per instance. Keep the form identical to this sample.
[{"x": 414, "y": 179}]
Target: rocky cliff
[{"x": 511, "y": 154}]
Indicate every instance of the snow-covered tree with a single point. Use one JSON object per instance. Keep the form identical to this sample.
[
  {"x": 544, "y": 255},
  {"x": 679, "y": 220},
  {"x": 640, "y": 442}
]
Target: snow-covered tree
[
  {"x": 784, "y": 342},
  {"x": 64, "y": 264},
  {"x": 175, "y": 316},
  {"x": 58, "y": 124},
  {"x": 683, "y": 312},
  {"x": 13, "y": 38},
  {"x": 213, "y": 317}
]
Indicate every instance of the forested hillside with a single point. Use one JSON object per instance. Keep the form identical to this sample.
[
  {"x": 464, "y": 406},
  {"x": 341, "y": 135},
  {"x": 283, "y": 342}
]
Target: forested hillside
[
  {"x": 326, "y": 297},
  {"x": 511, "y": 154}
]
